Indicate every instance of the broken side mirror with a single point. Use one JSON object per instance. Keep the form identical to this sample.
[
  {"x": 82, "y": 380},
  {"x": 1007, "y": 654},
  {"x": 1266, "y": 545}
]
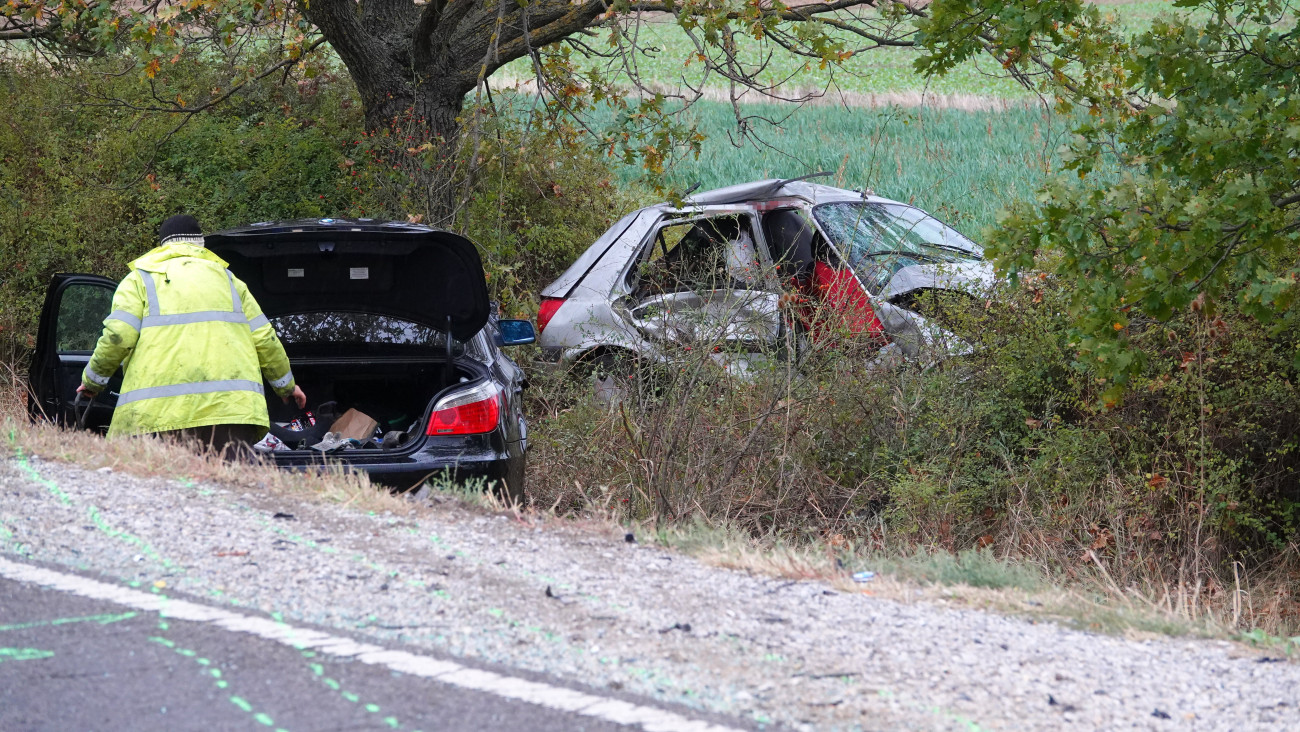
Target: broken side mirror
[{"x": 516, "y": 332}]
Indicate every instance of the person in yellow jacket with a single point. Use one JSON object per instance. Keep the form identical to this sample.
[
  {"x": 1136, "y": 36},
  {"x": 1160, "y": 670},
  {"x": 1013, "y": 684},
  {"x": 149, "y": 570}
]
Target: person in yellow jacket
[{"x": 194, "y": 346}]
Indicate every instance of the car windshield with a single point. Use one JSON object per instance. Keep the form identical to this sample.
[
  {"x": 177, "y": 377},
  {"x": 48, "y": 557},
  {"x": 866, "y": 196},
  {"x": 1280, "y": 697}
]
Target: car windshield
[
  {"x": 878, "y": 239},
  {"x": 320, "y": 331}
]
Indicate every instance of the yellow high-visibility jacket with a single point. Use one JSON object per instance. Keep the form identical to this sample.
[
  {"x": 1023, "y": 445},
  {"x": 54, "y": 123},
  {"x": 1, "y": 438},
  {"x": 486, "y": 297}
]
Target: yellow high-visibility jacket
[{"x": 193, "y": 343}]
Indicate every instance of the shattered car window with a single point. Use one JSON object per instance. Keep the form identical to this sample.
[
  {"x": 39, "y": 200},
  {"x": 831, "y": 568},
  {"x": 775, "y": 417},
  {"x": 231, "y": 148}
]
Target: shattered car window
[
  {"x": 340, "y": 328},
  {"x": 704, "y": 254},
  {"x": 878, "y": 239}
]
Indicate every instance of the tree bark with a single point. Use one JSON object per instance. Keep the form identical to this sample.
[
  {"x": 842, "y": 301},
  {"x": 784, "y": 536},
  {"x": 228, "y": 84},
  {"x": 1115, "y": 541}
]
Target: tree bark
[
  {"x": 423, "y": 59},
  {"x": 414, "y": 64}
]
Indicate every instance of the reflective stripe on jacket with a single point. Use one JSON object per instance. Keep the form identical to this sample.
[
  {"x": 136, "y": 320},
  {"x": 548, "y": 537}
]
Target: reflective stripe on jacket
[{"x": 194, "y": 345}]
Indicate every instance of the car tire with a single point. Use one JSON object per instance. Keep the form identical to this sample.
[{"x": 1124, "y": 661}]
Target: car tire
[
  {"x": 612, "y": 374},
  {"x": 511, "y": 487}
]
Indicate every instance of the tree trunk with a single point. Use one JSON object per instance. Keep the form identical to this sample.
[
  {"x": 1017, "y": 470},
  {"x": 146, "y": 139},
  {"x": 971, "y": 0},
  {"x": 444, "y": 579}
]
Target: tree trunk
[
  {"x": 414, "y": 64},
  {"x": 418, "y": 131},
  {"x": 408, "y": 105},
  {"x": 431, "y": 112}
]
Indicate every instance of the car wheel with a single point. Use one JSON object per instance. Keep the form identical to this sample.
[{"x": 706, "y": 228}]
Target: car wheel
[
  {"x": 612, "y": 375},
  {"x": 512, "y": 486}
]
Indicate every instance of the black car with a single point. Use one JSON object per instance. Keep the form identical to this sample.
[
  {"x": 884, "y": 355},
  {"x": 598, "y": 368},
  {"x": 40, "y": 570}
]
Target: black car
[{"x": 392, "y": 319}]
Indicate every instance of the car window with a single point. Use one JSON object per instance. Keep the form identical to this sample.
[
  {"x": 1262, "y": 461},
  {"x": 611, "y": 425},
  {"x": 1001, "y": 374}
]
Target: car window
[
  {"x": 667, "y": 239},
  {"x": 82, "y": 309},
  {"x": 359, "y": 329},
  {"x": 701, "y": 254},
  {"x": 878, "y": 239}
]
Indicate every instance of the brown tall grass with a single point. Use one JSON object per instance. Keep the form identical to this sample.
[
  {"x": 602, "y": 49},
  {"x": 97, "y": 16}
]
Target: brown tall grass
[
  {"x": 153, "y": 457},
  {"x": 1154, "y": 505}
]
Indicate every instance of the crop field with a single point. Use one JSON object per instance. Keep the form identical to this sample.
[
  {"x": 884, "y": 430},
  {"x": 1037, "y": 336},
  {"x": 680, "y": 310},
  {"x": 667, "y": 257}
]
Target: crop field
[
  {"x": 666, "y": 59},
  {"x": 962, "y": 166}
]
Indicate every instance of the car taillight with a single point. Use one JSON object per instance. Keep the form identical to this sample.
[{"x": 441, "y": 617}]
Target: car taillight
[
  {"x": 547, "y": 311},
  {"x": 470, "y": 412}
]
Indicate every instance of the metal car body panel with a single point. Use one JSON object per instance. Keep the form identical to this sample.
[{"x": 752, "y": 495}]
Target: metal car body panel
[
  {"x": 733, "y": 318},
  {"x": 562, "y": 286},
  {"x": 975, "y": 278},
  {"x": 60, "y": 358},
  {"x": 596, "y": 315}
]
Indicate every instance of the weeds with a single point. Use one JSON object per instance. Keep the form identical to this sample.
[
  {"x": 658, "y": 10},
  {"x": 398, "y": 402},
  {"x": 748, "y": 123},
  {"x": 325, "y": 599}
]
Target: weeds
[
  {"x": 1164, "y": 505},
  {"x": 970, "y": 567},
  {"x": 20, "y": 436}
]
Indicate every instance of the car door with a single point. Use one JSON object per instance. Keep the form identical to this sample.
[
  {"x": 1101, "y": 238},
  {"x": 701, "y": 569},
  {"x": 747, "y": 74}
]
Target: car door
[
  {"x": 71, "y": 322},
  {"x": 700, "y": 281}
]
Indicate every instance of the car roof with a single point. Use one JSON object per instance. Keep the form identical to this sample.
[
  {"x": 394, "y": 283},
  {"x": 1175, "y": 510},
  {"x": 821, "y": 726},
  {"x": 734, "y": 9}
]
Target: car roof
[{"x": 770, "y": 188}]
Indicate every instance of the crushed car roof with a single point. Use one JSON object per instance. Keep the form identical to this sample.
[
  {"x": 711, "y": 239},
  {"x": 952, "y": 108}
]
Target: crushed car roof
[{"x": 762, "y": 190}]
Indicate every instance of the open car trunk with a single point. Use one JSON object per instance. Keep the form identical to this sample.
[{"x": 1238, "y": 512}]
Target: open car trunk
[{"x": 398, "y": 394}]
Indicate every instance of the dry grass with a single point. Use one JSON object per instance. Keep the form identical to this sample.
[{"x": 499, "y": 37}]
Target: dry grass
[
  {"x": 1093, "y": 602},
  {"x": 1018, "y": 589},
  {"x": 1149, "y": 514},
  {"x": 149, "y": 457}
]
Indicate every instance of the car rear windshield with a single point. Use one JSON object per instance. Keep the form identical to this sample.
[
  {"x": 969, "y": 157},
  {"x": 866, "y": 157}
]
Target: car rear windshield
[
  {"x": 325, "y": 332},
  {"x": 878, "y": 239}
]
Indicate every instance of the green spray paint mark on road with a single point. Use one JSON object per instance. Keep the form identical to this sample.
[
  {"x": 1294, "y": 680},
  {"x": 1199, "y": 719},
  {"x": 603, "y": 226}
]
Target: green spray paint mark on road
[
  {"x": 261, "y": 718},
  {"x": 319, "y": 671},
  {"x": 358, "y": 558},
  {"x": 101, "y": 619},
  {"x": 23, "y": 654}
]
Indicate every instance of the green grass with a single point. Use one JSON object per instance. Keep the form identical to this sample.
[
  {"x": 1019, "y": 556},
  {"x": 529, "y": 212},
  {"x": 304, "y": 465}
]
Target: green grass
[
  {"x": 962, "y": 166},
  {"x": 970, "y": 567},
  {"x": 667, "y": 59}
]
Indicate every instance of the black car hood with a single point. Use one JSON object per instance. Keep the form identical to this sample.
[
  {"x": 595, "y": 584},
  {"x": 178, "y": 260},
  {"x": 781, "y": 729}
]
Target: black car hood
[{"x": 413, "y": 272}]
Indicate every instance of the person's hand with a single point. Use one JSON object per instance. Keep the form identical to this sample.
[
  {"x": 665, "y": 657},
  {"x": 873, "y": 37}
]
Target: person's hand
[
  {"x": 297, "y": 396},
  {"x": 81, "y": 389}
]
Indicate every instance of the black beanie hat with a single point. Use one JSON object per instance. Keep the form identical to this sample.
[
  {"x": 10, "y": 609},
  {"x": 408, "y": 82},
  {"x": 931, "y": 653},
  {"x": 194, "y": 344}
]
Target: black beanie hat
[{"x": 180, "y": 225}]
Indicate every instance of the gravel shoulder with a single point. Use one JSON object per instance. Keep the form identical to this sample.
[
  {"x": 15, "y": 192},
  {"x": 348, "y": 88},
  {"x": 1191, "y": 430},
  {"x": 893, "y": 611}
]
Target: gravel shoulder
[{"x": 581, "y": 603}]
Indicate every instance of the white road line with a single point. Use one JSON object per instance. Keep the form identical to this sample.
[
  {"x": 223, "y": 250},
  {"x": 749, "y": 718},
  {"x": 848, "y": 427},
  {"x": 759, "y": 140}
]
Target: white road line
[{"x": 651, "y": 719}]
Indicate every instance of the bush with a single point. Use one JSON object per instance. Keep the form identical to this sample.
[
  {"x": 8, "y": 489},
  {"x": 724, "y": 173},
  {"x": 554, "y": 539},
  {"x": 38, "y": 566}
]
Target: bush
[
  {"x": 1005, "y": 449},
  {"x": 83, "y": 188},
  {"x": 532, "y": 197}
]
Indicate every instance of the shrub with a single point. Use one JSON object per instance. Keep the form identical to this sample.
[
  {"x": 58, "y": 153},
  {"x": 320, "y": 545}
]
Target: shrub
[
  {"x": 83, "y": 187},
  {"x": 1005, "y": 449},
  {"x": 531, "y": 196}
]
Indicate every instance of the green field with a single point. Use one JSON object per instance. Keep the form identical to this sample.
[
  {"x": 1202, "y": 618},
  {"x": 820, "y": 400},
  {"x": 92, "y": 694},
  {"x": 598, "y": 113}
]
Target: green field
[
  {"x": 962, "y": 166},
  {"x": 666, "y": 60}
]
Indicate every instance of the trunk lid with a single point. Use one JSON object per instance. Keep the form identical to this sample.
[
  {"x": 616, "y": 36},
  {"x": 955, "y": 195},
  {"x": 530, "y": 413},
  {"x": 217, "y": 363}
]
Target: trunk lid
[{"x": 413, "y": 272}]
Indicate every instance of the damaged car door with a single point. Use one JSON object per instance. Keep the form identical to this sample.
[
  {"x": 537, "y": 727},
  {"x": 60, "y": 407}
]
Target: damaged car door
[
  {"x": 899, "y": 253},
  {"x": 700, "y": 282}
]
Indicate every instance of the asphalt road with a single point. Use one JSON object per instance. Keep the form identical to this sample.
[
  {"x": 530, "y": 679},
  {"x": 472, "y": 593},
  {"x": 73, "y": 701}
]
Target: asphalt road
[{"x": 70, "y": 662}]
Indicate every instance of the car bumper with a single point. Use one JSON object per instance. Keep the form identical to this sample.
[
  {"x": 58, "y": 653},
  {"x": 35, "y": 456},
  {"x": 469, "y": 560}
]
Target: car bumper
[{"x": 409, "y": 471}]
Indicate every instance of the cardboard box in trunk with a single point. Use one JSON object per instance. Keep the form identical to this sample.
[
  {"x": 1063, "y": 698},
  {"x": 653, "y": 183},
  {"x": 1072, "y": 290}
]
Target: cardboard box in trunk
[{"x": 355, "y": 425}]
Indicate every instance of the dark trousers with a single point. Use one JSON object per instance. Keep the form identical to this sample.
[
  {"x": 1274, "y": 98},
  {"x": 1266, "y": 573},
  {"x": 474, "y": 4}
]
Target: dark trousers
[{"x": 230, "y": 441}]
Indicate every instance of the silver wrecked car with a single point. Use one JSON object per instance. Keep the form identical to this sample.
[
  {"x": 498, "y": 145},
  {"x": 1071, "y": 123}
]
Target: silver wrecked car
[{"x": 719, "y": 271}]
